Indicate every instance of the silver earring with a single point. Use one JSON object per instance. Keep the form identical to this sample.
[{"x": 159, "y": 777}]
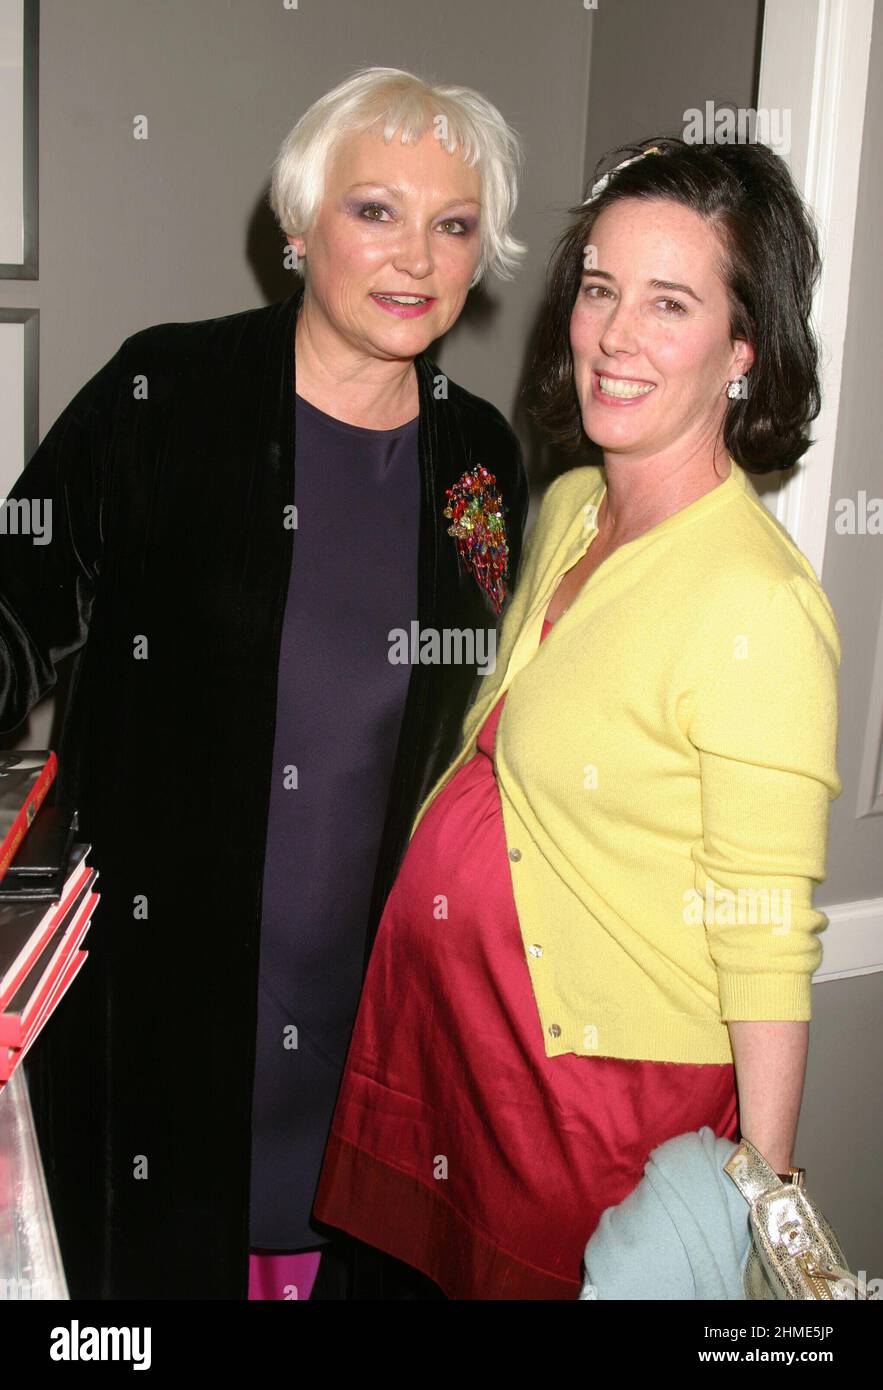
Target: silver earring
[{"x": 733, "y": 390}]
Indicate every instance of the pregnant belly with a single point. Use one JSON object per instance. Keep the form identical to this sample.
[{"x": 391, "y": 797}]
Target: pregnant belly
[{"x": 452, "y": 900}]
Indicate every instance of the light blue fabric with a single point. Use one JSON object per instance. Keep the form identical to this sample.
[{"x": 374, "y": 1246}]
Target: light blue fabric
[{"x": 682, "y": 1233}]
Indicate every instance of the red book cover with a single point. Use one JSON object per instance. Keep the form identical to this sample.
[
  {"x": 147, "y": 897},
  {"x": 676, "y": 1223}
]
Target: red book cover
[
  {"x": 27, "y": 1002},
  {"x": 25, "y": 778},
  {"x": 25, "y": 930},
  {"x": 10, "y": 1057}
]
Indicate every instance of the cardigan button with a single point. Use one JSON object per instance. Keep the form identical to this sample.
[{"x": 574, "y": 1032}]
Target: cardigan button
[
  {"x": 535, "y": 950},
  {"x": 555, "y": 1030},
  {"x": 515, "y": 854}
]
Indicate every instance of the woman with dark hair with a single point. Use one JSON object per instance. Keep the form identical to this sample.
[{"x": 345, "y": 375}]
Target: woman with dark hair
[{"x": 602, "y": 934}]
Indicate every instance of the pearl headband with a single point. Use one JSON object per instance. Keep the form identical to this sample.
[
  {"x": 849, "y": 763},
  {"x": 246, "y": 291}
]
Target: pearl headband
[{"x": 605, "y": 178}]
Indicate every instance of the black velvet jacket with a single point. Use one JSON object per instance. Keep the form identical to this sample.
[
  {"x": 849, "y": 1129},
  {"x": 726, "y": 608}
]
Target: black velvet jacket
[{"x": 167, "y": 573}]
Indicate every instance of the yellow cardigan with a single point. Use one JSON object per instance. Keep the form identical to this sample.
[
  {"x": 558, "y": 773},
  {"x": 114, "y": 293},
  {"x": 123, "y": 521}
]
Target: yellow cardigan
[{"x": 665, "y": 761}]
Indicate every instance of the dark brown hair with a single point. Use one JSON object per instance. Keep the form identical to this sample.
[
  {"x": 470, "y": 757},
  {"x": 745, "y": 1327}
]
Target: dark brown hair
[{"x": 770, "y": 265}]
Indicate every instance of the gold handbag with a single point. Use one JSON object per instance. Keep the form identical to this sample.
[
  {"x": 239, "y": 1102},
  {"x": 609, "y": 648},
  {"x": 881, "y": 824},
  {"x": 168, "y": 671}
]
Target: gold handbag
[{"x": 794, "y": 1252}]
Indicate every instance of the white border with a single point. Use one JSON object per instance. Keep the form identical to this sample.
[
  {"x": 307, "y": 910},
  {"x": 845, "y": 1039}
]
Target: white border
[
  {"x": 815, "y": 63},
  {"x": 21, "y": 396},
  {"x": 852, "y": 942}
]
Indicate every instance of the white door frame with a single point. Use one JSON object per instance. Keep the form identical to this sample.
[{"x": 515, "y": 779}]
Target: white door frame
[{"x": 814, "y": 64}]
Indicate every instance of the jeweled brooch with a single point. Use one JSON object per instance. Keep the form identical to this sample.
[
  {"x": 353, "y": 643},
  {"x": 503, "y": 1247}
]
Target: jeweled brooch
[{"x": 476, "y": 511}]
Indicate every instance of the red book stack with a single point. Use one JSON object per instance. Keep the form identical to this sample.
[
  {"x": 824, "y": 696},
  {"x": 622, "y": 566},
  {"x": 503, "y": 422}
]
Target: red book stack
[{"x": 46, "y": 902}]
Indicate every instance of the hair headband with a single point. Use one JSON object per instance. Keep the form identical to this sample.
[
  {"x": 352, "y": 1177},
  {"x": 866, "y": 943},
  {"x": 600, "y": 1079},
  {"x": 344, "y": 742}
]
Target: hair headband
[{"x": 605, "y": 178}]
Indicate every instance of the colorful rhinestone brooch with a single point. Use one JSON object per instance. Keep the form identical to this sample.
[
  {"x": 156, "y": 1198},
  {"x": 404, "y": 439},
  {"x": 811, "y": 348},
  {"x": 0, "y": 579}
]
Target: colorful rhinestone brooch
[{"x": 476, "y": 512}]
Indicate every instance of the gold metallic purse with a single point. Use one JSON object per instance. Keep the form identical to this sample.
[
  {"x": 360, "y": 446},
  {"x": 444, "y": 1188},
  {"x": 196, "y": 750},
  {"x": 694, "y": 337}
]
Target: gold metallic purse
[{"x": 794, "y": 1252}]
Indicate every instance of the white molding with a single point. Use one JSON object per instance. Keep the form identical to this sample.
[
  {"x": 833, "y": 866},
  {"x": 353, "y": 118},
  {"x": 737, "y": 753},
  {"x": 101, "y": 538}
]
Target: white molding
[
  {"x": 870, "y": 781},
  {"x": 852, "y": 941},
  {"x": 815, "y": 64}
]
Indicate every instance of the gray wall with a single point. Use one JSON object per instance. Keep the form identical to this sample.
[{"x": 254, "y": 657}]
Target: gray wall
[
  {"x": 650, "y": 62},
  {"x": 175, "y": 228},
  {"x": 853, "y": 569}
]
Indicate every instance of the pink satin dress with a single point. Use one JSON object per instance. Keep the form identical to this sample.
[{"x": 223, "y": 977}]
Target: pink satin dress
[{"x": 457, "y": 1145}]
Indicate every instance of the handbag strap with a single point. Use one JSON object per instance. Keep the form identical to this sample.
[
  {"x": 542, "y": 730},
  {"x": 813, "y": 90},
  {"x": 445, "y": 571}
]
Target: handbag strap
[{"x": 751, "y": 1173}]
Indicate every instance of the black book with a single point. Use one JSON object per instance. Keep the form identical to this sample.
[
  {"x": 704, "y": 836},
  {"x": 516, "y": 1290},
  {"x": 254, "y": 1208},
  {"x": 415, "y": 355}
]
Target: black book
[
  {"x": 26, "y": 927},
  {"x": 32, "y": 995},
  {"x": 42, "y": 860}
]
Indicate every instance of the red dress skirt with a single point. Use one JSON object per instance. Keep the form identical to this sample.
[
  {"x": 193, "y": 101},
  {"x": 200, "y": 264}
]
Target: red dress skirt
[{"x": 457, "y": 1145}]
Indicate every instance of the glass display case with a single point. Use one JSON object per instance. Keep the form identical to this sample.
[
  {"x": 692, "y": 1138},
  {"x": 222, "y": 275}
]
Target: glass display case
[{"x": 30, "y": 1260}]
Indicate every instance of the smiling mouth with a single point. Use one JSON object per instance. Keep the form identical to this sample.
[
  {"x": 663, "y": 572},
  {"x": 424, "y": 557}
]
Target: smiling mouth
[
  {"x": 623, "y": 389},
  {"x": 403, "y": 298}
]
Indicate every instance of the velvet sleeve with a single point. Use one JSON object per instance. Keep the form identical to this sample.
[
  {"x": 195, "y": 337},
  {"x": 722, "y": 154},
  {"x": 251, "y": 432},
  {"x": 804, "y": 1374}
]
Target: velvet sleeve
[
  {"x": 50, "y": 546},
  {"x": 516, "y": 514}
]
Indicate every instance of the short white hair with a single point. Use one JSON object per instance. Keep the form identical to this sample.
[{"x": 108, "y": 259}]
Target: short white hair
[{"x": 399, "y": 101}]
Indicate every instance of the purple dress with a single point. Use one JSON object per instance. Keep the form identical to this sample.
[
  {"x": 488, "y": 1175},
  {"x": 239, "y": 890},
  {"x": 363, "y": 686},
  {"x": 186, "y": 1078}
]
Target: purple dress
[{"x": 339, "y": 706}]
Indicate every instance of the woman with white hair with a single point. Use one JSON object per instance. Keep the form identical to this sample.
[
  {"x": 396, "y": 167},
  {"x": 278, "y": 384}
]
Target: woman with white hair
[{"x": 249, "y": 513}]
